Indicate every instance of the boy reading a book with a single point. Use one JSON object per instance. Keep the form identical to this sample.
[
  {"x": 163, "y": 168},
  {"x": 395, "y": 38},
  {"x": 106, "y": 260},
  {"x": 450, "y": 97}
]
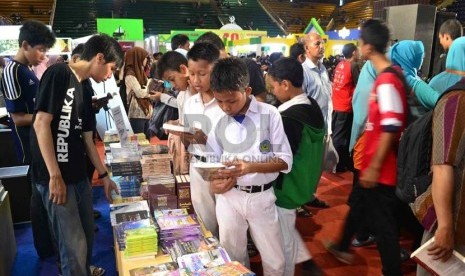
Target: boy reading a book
[
  {"x": 201, "y": 111},
  {"x": 304, "y": 128},
  {"x": 251, "y": 141},
  {"x": 172, "y": 67}
]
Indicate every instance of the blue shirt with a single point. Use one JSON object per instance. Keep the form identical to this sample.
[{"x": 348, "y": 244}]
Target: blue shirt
[{"x": 19, "y": 86}]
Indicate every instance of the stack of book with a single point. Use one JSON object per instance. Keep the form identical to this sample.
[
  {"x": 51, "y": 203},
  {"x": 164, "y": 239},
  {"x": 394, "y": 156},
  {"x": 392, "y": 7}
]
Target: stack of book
[
  {"x": 141, "y": 241},
  {"x": 192, "y": 264},
  {"x": 156, "y": 164},
  {"x": 148, "y": 149},
  {"x": 183, "y": 191},
  {"x": 121, "y": 228},
  {"x": 128, "y": 186},
  {"x": 178, "y": 225},
  {"x": 129, "y": 166},
  {"x": 162, "y": 192}
]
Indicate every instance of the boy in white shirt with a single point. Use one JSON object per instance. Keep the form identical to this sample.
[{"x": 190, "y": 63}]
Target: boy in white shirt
[
  {"x": 252, "y": 139},
  {"x": 201, "y": 111}
]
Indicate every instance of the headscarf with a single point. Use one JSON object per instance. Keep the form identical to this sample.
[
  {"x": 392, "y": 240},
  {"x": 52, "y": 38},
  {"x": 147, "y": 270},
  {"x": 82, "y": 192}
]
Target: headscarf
[
  {"x": 133, "y": 61},
  {"x": 408, "y": 54},
  {"x": 360, "y": 101},
  {"x": 455, "y": 61}
]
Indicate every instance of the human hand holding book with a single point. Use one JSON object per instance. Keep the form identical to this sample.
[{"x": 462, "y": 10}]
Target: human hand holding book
[{"x": 455, "y": 265}]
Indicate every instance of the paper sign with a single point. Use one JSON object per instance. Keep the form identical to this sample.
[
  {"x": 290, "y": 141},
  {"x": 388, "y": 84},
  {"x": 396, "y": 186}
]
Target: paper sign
[{"x": 119, "y": 121}]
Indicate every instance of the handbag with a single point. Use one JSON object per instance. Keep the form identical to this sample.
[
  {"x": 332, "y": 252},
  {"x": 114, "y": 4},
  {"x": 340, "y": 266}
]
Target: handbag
[{"x": 161, "y": 114}]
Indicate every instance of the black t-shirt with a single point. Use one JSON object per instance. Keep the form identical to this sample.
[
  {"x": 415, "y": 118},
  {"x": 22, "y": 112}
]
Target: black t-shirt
[{"x": 61, "y": 95}]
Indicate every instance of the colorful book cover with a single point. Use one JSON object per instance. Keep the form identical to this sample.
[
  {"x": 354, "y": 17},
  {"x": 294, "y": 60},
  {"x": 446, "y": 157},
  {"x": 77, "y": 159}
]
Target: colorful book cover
[{"x": 201, "y": 261}]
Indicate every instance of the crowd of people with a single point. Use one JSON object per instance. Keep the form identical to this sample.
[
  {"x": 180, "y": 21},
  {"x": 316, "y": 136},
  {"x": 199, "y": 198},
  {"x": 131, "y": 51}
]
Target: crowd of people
[{"x": 275, "y": 122}]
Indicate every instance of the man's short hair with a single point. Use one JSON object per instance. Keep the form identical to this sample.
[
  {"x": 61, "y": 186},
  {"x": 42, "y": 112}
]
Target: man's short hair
[
  {"x": 375, "y": 33},
  {"x": 172, "y": 61},
  {"x": 204, "y": 51},
  {"x": 178, "y": 40},
  {"x": 296, "y": 50},
  {"x": 36, "y": 33},
  {"x": 348, "y": 50},
  {"x": 452, "y": 27},
  {"x": 78, "y": 50},
  {"x": 211, "y": 37},
  {"x": 106, "y": 45},
  {"x": 229, "y": 75},
  {"x": 287, "y": 69}
]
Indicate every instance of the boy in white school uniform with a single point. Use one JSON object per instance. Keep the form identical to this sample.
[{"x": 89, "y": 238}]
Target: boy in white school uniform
[
  {"x": 201, "y": 111},
  {"x": 252, "y": 139}
]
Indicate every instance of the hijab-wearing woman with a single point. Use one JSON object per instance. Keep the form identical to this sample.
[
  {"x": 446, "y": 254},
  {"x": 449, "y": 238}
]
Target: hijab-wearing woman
[
  {"x": 409, "y": 54},
  {"x": 140, "y": 105},
  {"x": 455, "y": 67}
]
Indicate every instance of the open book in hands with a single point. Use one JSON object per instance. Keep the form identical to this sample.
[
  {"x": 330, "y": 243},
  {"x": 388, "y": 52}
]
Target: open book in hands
[{"x": 454, "y": 266}]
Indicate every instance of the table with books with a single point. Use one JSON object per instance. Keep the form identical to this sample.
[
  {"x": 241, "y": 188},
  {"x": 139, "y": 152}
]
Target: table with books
[{"x": 155, "y": 228}]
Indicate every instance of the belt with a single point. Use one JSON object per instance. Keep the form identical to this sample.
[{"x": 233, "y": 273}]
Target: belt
[
  {"x": 200, "y": 158},
  {"x": 254, "y": 188}
]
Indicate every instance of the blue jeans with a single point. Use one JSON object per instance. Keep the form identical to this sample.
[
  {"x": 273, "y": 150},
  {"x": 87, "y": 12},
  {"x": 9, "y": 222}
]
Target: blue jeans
[{"x": 73, "y": 226}]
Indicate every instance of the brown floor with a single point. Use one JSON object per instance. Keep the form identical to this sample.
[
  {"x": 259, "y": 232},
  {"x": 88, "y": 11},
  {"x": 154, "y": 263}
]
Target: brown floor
[{"x": 326, "y": 224}]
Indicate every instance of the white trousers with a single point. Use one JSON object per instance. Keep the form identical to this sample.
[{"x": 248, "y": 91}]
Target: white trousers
[
  {"x": 236, "y": 211},
  {"x": 295, "y": 249},
  {"x": 203, "y": 199}
]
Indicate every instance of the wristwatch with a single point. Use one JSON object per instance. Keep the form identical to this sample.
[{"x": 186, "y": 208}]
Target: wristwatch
[{"x": 103, "y": 175}]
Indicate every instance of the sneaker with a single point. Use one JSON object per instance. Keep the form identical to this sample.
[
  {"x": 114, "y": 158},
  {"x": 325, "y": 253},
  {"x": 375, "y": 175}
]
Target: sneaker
[
  {"x": 342, "y": 256},
  {"x": 303, "y": 213},
  {"x": 404, "y": 255},
  {"x": 316, "y": 203},
  {"x": 309, "y": 268},
  {"x": 96, "y": 271},
  {"x": 357, "y": 243}
]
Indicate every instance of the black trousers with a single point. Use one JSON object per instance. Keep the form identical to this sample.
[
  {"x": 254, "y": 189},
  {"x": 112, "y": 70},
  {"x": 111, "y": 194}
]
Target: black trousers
[
  {"x": 342, "y": 126},
  {"x": 357, "y": 221},
  {"x": 384, "y": 208}
]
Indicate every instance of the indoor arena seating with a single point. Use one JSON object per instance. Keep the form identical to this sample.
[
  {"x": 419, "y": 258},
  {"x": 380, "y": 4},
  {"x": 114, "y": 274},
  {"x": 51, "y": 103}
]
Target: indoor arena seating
[
  {"x": 77, "y": 18},
  {"x": 17, "y": 11},
  {"x": 250, "y": 15},
  {"x": 352, "y": 14},
  {"x": 296, "y": 16},
  {"x": 459, "y": 8}
]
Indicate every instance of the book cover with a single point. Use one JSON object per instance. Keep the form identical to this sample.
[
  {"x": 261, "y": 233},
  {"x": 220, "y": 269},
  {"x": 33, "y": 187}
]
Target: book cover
[
  {"x": 166, "y": 269},
  {"x": 131, "y": 216},
  {"x": 454, "y": 266},
  {"x": 201, "y": 261}
]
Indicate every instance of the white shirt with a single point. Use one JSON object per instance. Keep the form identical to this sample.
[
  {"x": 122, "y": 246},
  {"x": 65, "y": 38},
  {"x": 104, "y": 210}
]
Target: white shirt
[
  {"x": 201, "y": 116},
  {"x": 318, "y": 86},
  {"x": 300, "y": 99},
  {"x": 182, "y": 51},
  {"x": 259, "y": 137},
  {"x": 181, "y": 100}
]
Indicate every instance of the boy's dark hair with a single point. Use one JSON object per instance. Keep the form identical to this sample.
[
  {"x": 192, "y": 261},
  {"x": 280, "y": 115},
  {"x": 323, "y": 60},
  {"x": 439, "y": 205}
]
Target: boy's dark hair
[
  {"x": 106, "y": 45},
  {"x": 157, "y": 55},
  {"x": 204, "y": 51},
  {"x": 178, "y": 40},
  {"x": 78, "y": 50},
  {"x": 451, "y": 27},
  {"x": 211, "y": 37},
  {"x": 287, "y": 69},
  {"x": 229, "y": 75},
  {"x": 375, "y": 33},
  {"x": 171, "y": 60},
  {"x": 348, "y": 50},
  {"x": 296, "y": 50},
  {"x": 36, "y": 33}
]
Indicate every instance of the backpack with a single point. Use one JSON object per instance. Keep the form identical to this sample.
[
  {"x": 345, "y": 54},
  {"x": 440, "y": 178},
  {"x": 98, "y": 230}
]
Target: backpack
[
  {"x": 298, "y": 186},
  {"x": 414, "y": 174}
]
